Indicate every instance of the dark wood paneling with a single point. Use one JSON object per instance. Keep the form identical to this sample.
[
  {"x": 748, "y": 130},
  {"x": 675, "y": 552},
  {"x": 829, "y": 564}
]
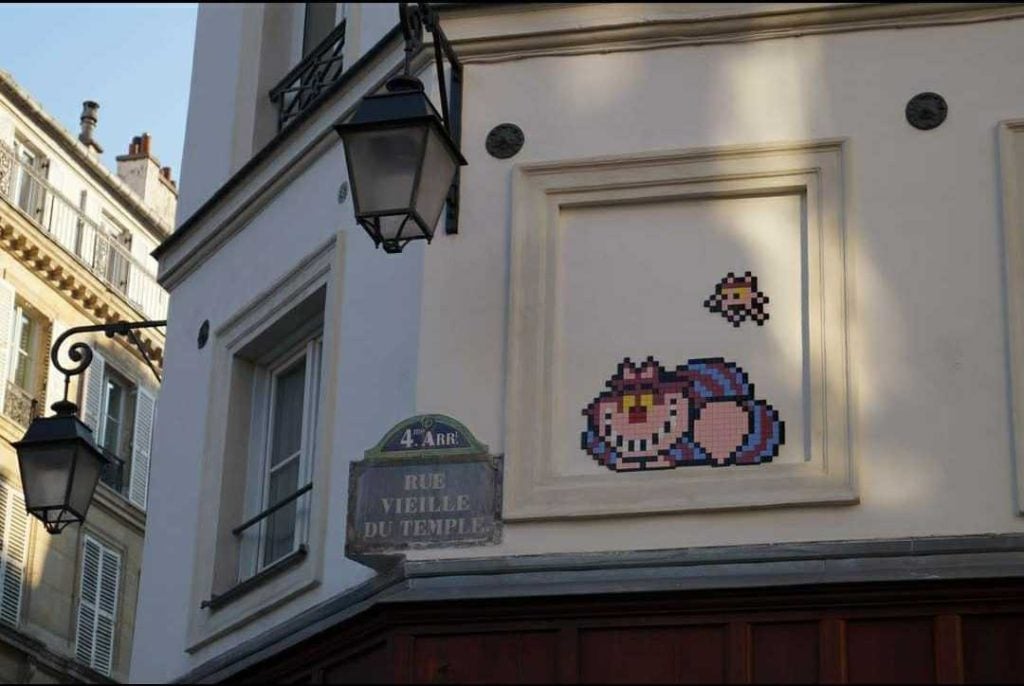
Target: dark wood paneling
[
  {"x": 372, "y": 666},
  {"x": 785, "y": 653},
  {"x": 993, "y": 648},
  {"x": 949, "y": 632},
  {"x": 890, "y": 651},
  {"x": 497, "y": 658},
  {"x": 687, "y": 655}
]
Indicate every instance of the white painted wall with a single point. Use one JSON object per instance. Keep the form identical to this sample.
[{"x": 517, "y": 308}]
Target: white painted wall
[
  {"x": 927, "y": 338},
  {"x": 228, "y": 114},
  {"x": 221, "y": 68}
]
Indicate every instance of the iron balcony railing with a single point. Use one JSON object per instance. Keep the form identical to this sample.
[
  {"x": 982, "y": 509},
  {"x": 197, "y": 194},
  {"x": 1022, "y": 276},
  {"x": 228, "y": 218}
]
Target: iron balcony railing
[
  {"x": 89, "y": 243},
  {"x": 303, "y": 84},
  {"x": 19, "y": 405},
  {"x": 113, "y": 472}
]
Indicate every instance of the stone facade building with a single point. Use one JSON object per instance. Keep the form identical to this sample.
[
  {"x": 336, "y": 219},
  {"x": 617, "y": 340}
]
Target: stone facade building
[
  {"x": 734, "y": 301},
  {"x": 74, "y": 250}
]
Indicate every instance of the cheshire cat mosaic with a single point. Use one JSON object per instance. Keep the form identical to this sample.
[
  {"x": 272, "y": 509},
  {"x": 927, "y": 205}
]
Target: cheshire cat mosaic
[{"x": 700, "y": 413}]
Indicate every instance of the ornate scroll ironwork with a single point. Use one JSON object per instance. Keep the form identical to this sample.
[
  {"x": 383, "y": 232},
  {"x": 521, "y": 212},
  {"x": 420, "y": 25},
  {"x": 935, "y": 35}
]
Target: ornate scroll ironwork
[
  {"x": 19, "y": 405},
  {"x": 6, "y": 170},
  {"x": 81, "y": 353}
]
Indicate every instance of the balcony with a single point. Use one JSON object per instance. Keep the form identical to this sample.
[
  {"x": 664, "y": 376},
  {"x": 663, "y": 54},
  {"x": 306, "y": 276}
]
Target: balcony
[
  {"x": 19, "y": 405},
  {"x": 89, "y": 243},
  {"x": 303, "y": 85}
]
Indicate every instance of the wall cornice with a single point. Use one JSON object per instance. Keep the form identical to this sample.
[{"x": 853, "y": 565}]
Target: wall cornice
[
  {"x": 541, "y": 31},
  {"x": 51, "y": 263}
]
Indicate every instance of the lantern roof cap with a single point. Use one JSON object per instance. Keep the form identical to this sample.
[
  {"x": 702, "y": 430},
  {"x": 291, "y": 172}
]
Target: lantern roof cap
[
  {"x": 404, "y": 102},
  {"x": 58, "y": 429}
]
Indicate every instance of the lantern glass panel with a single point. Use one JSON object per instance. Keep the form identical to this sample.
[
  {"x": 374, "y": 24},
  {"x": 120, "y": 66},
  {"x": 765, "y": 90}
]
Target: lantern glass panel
[
  {"x": 45, "y": 470},
  {"x": 87, "y": 474},
  {"x": 439, "y": 166},
  {"x": 398, "y": 226},
  {"x": 384, "y": 164}
]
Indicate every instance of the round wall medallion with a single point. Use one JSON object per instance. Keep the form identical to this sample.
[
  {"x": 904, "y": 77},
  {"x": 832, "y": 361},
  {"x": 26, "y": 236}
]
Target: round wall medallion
[
  {"x": 926, "y": 111},
  {"x": 504, "y": 141},
  {"x": 342, "y": 192},
  {"x": 204, "y": 334}
]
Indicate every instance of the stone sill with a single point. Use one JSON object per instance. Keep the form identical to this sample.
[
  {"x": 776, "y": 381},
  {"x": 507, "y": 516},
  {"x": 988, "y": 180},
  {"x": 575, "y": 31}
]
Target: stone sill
[{"x": 219, "y": 600}]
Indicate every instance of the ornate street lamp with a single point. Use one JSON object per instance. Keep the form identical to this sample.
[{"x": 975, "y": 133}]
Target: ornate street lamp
[
  {"x": 58, "y": 458},
  {"x": 403, "y": 158}
]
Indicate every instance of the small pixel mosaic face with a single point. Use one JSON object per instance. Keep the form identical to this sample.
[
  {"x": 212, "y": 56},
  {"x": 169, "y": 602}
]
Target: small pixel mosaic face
[
  {"x": 703, "y": 412},
  {"x": 737, "y": 298}
]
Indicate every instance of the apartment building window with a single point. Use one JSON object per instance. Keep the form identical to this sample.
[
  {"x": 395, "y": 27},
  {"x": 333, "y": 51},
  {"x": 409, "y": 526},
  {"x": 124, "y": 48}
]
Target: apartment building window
[
  {"x": 274, "y": 386},
  {"x": 320, "y": 18},
  {"x": 13, "y": 551},
  {"x": 285, "y": 397},
  {"x": 121, "y": 414},
  {"x": 98, "y": 586},
  {"x": 29, "y": 191},
  {"x": 26, "y": 343},
  {"x": 113, "y": 259},
  {"x": 24, "y": 335},
  {"x": 118, "y": 414}
]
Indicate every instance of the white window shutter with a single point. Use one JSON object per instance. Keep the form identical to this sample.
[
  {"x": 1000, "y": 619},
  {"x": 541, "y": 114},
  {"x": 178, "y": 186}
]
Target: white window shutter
[
  {"x": 14, "y": 541},
  {"x": 54, "y": 379},
  {"x": 97, "y": 606},
  {"x": 6, "y": 338},
  {"x": 92, "y": 398},
  {"x": 142, "y": 444}
]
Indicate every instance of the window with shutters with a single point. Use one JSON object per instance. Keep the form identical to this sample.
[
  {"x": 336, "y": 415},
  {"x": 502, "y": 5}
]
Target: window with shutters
[
  {"x": 29, "y": 189},
  {"x": 98, "y": 587},
  {"x": 24, "y": 336},
  {"x": 121, "y": 415},
  {"x": 13, "y": 550}
]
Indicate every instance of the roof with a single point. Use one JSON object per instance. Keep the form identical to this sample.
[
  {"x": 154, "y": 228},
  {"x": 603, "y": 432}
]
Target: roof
[{"x": 70, "y": 143}]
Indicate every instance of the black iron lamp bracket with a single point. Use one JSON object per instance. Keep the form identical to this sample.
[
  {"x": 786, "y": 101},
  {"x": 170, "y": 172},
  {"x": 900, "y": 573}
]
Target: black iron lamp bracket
[
  {"x": 81, "y": 353},
  {"x": 414, "y": 19}
]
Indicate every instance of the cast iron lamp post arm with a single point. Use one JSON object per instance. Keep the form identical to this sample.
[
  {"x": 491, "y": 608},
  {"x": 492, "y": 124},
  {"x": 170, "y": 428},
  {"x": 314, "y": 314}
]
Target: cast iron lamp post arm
[
  {"x": 415, "y": 18},
  {"x": 81, "y": 353}
]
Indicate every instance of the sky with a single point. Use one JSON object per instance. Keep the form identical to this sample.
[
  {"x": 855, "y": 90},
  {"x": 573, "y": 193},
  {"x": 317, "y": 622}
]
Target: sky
[{"x": 135, "y": 60}]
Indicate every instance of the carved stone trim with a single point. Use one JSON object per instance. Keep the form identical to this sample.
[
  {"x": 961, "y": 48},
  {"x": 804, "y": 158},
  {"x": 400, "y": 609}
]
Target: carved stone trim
[
  {"x": 6, "y": 172},
  {"x": 51, "y": 263}
]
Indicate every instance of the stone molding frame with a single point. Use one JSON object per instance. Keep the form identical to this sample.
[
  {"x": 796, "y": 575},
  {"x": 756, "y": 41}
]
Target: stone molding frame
[
  {"x": 1011, "y": 168},
  {"x": 812, "y": 170},
  {"x": 221, "y": 498}
]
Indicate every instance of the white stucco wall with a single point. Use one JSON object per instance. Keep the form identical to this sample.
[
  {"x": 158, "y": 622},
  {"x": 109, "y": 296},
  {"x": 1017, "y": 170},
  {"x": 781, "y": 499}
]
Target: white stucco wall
[
  {"x": 222, "y": 65},
  {"x": 929, "y": 415}
]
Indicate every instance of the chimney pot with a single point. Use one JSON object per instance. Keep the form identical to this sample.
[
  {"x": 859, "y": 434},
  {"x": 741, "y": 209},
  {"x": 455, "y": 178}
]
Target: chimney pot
[
  {"x": 88, "y": 120},
  {"x": 145, "y": 144}
]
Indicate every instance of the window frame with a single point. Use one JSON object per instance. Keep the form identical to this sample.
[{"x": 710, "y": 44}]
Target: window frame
[
  {"x": 39, "y": 164},
  {"x": 22, "y": 313},
  {"x": 126, "y": 420},
  {"x": 284, "y": 358}
]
